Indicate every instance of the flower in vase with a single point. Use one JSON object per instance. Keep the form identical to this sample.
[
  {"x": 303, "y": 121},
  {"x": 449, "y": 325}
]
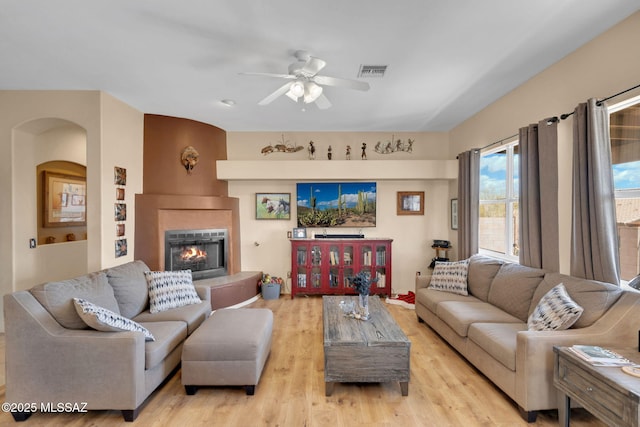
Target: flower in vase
[{"x": 362, "y": 282}]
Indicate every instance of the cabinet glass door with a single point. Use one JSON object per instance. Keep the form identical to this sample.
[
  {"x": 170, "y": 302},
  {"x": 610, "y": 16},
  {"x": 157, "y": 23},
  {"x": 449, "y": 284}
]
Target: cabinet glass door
[
  {"x": 302, "y": 269},
  {"x": 381, "y": 263},
  {"x": 316, "y": 263},
  {"x": 366, "y": 259},
  {"x": 334, "y": 266},
  {"x": 366, "y": 255},
  {"x": 348, "y": 256},
  {"x": 347, "y": 265}
]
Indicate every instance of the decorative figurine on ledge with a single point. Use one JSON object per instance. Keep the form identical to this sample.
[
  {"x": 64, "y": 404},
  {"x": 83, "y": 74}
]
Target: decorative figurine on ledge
[
  {"x": 329, "y": 153},
  {"x": 348, "y": 152},
  {"x": 312, "y": 151},
  {"x": 364, "y": 151},
  {"x": 282, "y": 146},
  {"x": 394, "y": 146}
]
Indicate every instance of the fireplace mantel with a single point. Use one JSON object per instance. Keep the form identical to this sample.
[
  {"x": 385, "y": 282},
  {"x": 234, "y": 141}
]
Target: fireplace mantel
[{"x": 156, "y": 213}]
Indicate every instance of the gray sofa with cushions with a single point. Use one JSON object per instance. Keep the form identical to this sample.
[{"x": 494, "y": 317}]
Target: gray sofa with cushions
[
  {"x": 53, "y": 357},
  {"x": 489, "y": 326}
]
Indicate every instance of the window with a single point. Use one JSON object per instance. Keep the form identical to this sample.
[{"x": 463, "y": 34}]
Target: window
[
  {"x": 624, "y": 128},
  {"x": 498, "y": 221}
]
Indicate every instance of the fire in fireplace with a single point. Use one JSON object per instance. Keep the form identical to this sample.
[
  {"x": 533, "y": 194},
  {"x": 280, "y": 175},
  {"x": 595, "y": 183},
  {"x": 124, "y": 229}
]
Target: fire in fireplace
[{"x": 204, "y": 252}]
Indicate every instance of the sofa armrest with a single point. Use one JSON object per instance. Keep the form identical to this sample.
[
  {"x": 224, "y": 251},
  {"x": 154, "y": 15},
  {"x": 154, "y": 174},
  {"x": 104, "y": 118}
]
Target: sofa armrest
[
  {"x": 422, "y": 281},
  {"x": 204, "y": 292},
  {"x": 46, "y": 362},
  {"x": 618, "y": 327}
]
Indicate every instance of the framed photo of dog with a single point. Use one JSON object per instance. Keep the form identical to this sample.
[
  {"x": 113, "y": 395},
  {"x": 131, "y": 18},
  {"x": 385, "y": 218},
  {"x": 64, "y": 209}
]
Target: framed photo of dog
[{"x": 273, "y": 205}]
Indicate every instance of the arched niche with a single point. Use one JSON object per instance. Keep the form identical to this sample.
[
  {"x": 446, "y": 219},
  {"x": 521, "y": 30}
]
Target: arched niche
[{"x": 61, "y": 146}]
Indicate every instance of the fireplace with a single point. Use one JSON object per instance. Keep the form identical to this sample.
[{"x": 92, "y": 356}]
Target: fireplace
[{"x": 204, "y": 252}]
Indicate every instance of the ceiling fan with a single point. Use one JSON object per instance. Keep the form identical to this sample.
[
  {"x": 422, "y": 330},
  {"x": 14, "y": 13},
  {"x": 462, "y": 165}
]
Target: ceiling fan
[{"x": 305, "y": 84}]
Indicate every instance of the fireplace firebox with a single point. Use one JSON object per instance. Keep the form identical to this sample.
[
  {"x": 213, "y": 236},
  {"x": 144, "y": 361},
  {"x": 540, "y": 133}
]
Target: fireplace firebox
[{"x": 204, "y": 252}]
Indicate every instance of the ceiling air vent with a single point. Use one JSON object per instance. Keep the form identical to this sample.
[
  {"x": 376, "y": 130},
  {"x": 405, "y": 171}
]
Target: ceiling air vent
[{"x": 372, "y": 70}]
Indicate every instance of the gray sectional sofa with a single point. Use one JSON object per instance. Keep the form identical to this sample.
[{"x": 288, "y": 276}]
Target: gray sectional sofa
[
  {"x": 489, "y": 326},
  {"x": 53, "y": 357}
]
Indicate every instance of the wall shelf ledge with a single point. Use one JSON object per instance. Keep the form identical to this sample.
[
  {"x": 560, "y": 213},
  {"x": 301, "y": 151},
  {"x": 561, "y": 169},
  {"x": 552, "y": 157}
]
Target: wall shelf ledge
[{"x": 248, "y": 170}]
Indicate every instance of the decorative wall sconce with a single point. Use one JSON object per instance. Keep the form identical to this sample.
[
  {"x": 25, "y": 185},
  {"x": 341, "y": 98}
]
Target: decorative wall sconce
[{"x": 189, "y": 158}]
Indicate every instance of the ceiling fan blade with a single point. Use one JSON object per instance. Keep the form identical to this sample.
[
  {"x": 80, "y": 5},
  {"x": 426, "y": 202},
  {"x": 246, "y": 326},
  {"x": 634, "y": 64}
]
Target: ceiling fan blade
[
  {"x": 280, "y": 91},
  {"x": 280, "y": 76},
  {"x": 313, "y": 66},
  {"x": 322, "y": 102},
  {"x": 334, "y": 81}
]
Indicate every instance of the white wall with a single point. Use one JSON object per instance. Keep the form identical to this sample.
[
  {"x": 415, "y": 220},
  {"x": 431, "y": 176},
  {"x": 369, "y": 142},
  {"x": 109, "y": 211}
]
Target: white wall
[
  {"x": 412, "y": 235},
  {"x": 607, "y": 65},
  {"x": 64, "y": 141},
  {"x": 113, "y": 131},
  {"x": 122, "y": 137}
]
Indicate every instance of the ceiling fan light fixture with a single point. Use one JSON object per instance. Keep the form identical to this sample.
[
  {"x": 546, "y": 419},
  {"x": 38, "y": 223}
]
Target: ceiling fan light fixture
[
  {"x": 292, "y": 96},
  {"x": 297, "y": 89},
  {"x": 304, "y": 83},
  {"x": 312, "y": 92}
]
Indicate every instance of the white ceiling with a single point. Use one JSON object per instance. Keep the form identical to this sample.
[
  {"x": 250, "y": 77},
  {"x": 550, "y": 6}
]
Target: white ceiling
[{"x": 446, "y": 59}]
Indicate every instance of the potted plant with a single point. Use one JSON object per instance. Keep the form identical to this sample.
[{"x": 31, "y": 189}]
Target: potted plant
[
  {"x": 362, "y": 282},
  {"x": 270, "y": 286}
]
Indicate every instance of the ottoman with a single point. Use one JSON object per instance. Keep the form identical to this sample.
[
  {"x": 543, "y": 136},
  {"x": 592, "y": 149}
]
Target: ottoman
[{"x": 229, "y": 348}]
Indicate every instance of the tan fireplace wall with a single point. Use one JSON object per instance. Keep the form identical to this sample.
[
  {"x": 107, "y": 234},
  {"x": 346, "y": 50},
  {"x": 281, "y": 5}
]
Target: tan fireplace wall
[{"x": 172, "y": 199}]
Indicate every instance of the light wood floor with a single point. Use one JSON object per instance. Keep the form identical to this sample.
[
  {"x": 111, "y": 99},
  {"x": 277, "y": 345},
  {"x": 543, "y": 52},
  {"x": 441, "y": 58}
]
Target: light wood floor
[{"x": 444, "y": 389}]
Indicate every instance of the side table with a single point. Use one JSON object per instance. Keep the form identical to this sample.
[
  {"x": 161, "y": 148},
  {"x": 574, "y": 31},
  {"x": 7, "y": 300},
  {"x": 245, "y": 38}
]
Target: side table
[{"x": 604, "y": 391}]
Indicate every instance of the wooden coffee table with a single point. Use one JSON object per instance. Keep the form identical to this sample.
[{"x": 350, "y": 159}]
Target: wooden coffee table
[{"x": 375, "y": 350}]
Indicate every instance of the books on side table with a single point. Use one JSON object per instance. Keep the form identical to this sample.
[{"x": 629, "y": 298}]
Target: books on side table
[{"x": 599, "y": 356}]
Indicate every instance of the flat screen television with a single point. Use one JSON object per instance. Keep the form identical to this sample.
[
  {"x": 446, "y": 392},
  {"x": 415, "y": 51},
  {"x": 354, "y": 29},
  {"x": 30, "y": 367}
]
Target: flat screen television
[{"x": 336, "y": 204}]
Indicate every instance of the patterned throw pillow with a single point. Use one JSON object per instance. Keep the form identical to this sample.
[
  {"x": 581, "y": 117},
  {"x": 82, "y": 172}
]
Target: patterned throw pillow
[
  {"x": 170, "y": 289},
  {"x": 105, "y": 320},
  {"x": 450, "y": 277},
  {"x": 556, "y": 311}
]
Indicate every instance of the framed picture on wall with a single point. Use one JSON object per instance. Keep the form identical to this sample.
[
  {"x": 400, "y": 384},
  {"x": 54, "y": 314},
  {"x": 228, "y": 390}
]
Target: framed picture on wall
[
  {"x": 120, "y": 212},
  {"x": 119, "y": 193},
  {"x": 64, "y": 203},
  {"x": 454, "y": 214},
  {"x": 121, "y": 248},
  {"x": 299, "y": 233},
  {"x": 410, "y": 203},
  {"x": 336, "y": 204},
  {"x": 119, "y": 176},
  {"x": 273, "y": 205}
]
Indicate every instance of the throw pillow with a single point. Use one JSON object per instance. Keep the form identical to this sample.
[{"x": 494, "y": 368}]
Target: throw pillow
[
  {"x": 556, "y": 311},
  {"x": 170, "y": 289},
  {"x": 450, "y": 277},
  {"x": 105, "y": 320},
  {"x": 129, "y": 287},
  {"x": 57, "y": 297}
]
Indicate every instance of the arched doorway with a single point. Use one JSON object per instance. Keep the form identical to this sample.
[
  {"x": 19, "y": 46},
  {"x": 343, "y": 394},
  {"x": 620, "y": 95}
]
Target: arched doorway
[{"x": 57, "y": 144}]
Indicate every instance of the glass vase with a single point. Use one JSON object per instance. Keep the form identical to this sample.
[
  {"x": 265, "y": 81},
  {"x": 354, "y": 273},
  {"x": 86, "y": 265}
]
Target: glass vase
[{"x": 363, "y": 301}]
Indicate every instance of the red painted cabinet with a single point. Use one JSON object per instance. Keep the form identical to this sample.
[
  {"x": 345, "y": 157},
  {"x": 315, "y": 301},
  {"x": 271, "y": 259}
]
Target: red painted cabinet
[{"x": 323, "y": 266}]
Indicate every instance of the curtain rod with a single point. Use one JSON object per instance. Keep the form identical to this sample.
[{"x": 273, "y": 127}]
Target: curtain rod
[
  {"x": 562, "y": 117},
  {"x": 498, "y": 142},
  {"x": 598, "y": 103}
]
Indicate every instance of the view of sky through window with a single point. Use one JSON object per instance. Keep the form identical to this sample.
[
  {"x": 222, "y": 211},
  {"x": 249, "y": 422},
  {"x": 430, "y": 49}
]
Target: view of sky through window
[{"x": 626, "y": 176}]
